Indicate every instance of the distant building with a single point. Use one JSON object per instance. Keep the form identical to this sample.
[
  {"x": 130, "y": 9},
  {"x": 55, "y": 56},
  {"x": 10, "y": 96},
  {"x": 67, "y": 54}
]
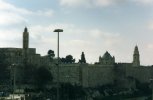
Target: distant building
[
  {"x": 107, "y": 59},
  {"x": 23, "y": 55}
]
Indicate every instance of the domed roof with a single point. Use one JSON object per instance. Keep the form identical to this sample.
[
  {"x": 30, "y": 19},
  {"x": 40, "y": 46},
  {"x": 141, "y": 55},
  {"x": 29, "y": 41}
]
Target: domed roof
[{"x": 107, "y": 55}]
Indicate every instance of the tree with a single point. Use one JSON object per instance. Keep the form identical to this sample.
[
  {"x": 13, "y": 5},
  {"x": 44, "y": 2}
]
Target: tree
[
  {"x": 51, "y": 54},
  {"x": 83, "y": 59},
  {"x": 4, "y": 69},
  {"x": 68, "y": 59},
  {"x": 63, "y": 60},
  {"x": 42, "y": 77},
  {"x": 28, "y": 73},
  {"x": 71, "y": 92}
]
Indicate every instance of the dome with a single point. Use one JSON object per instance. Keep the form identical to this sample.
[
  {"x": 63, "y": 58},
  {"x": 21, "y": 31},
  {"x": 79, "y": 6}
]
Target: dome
[{"x": 107, "y": 56}]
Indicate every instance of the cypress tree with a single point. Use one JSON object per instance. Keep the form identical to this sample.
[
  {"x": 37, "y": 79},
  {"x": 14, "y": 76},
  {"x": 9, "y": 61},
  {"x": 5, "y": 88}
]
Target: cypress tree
[{"x": 83, "y": 59}]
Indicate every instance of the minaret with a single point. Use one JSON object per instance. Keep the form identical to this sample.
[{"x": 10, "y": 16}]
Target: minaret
[
  {"x": 25, "y": 39},
  {"x": 136, "y": 60},
  {"x": 25, "y": 45}
]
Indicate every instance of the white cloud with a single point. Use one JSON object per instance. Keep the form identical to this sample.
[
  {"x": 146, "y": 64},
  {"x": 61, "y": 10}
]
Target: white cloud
[
  {"x": 10, "y": 38},
  {"x": 11, "y": 8},
  {"x": 39, "y": 29},
  {"x": 103, "y": 2},
  {"x": 150, "y": 46},
  {"x": 150, "y": 26},
  {"x": 146, "y": 53},
  {"x": 73, "y": 3},
  {"x": 144, "y": 2},
  {"x": 47, "y": 13},
  {"x": 82, "y": 44},
  {"x": 109, "y": 38},
  {"x": 8, "y": 18},
  {"x": 5, "y": 6},
  {"x": 100, "y": 3},
  {"x": 96, "y": 33},
  {"x": 87, "y": 3},
  {"x": 11, "y": 14}
]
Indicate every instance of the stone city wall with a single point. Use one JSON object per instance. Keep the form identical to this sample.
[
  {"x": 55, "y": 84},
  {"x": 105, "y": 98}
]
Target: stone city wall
[
  {"x": 84, "y": 74},
  {"x": 141, "y": 73}
]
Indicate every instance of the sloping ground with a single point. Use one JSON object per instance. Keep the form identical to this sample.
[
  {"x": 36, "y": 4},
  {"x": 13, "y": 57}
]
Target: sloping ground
[
  {"x": 125, "y": 98},
  {"x": 138, "y": 98}
]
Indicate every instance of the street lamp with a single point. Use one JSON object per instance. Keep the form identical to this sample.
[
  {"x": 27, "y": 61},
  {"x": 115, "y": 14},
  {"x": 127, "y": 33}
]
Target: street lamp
[
  {"x": 13, "y": 66},
  {"x": 151, "y": 81},
  {"x": 58, "y": 30}
]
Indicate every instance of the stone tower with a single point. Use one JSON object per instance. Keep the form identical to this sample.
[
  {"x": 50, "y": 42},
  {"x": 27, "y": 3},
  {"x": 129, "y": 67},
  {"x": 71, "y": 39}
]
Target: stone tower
[
  {"x": 136, "y": 57},
  {"x": 25, "y": 38},
  {"x": 25, "y": 45}
]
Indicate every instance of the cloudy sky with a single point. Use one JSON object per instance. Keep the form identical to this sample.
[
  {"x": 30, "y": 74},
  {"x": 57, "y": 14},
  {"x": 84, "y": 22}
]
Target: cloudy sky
[{"x": 92, "y": 26}]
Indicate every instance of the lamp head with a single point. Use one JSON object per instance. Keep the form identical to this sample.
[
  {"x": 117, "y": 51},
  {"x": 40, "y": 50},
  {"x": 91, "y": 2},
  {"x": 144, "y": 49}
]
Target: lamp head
[{"x": 58, "y": 30}]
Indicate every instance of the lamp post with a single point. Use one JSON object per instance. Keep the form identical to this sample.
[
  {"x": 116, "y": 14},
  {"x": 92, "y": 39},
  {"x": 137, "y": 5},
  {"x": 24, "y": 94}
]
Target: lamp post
[
  {"x": 151, "y": 81},
  {"x": 58, "y": 30},
  {"x": 68, "y": 81},
  {"x": 14, "y": 77}
]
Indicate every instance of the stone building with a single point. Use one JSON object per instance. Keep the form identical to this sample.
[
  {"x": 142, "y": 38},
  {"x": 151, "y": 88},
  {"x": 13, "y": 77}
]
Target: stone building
[
  {"x": 20, "y": 56},
  {"x": 107, "y": 59}
]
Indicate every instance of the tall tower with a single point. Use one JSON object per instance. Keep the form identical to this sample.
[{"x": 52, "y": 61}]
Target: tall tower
[
  {"x": 136, "y": 57},
  {"x": 25, "y": 38},
  {"x": 25, "y": 45}
]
